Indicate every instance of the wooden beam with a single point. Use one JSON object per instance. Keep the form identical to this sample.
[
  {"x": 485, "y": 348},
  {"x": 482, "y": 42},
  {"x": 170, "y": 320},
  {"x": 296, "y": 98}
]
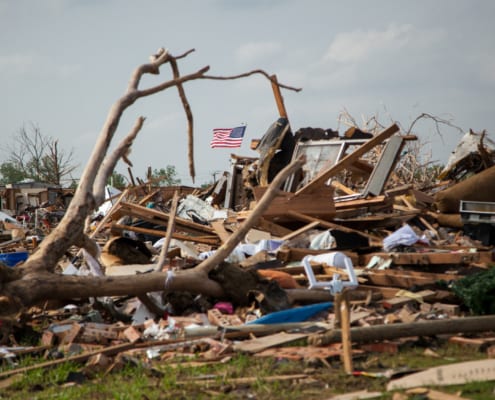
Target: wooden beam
[
  {"x": 372, "y": 202},
  {"x": 345, "y": 323},
  {"x": 278, "y": 97},
  {"x": 330, "y": 225},
  {"x": 448, "y": 374},
  {"x": 161, "y": 218},
  {"x": 170, "y": 229},
  {"x": 347, "y": 161},
  {"x": 400, "y": 301},
  {"x": 211, "y": 240},
  {"x": 259, "y": 344},
  {"x": 407, "y": 279},
  {"x": 145, "y": 199},
  {"x": 271, "y": 227},
  {"x": 321, "y": 207},
  {"x": 386, "y": 292},
  {"x": 305, "y": 228},
  {"x": 298, "y": 253},
  {"x": 219, "y": 228},
  {"x": 343, "y": 188}
]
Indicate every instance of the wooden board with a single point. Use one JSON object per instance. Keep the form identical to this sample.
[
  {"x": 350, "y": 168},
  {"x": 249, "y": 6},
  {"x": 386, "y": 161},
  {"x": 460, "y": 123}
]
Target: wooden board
[
  {"x": 297, "y": 232},
  {"x": 158, "y": 217},
  {"x": 400, "y": 301},
  {"x": 220, "y": 230},
  {"x": 275, "y": 229},
  {"x": 298, "y": 253},
  {"x": 329, "y": 225},
  {"x": 451, "y": 374},
  {"x": 359, "y": 395},
  {"x": 320, "y": 206},
  {"x": 211, "y": 240},
  {"x": 406, "y": 279},
  {"x": 260, "y": 344},
  {"x": 334, "y": 350}
]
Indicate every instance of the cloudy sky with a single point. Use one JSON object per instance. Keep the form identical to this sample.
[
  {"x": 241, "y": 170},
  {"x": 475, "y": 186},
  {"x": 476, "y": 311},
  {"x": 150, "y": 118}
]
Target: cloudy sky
[{"x": 64, "y": 63}]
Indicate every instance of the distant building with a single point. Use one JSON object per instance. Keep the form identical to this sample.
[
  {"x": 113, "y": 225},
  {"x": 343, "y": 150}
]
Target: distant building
[{"x": 15, "y": 198}]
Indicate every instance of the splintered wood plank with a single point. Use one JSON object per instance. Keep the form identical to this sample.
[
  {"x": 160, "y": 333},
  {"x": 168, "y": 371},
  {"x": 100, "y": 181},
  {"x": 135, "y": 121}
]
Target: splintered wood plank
[
  {"x": 160, "y": 218},
  {"x": 343, "y": 188},
  {"x": 374, "y": 201},
  {"x": 406, "y": 279},
  {"x": 422, "y": 197},
  {"x": 212, "y": 240},
  {"x": 298, "y": 253},
  {"x": 278, "y": 97},
  {"x": 220, "y": 230},
  {"x": 244, "y": 380},
  {"x": 334, "y": 350},
  {"x": 346, "y": 332},
  {"x": 305, "y": 228},
  {"x": 330, "y": 225},
  {"x": 347, "y": 161},
  {"x": 360, "y": 394},
  {"x": 260, "y": 344},
  {"x": 451, "y": 374},
  {"x": 321, "y": 206},
  {"x": 400, "y": 301},
  {"x": 386, "y": 291},
  {"x": 271, "y": 227}
]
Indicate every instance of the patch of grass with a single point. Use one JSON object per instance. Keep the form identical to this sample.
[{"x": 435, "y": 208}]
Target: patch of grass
[{"x": 177, "y": 379}]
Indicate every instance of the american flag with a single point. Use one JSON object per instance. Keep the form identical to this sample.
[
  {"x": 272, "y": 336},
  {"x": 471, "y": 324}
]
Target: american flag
[{"x": 228, "y": 137}]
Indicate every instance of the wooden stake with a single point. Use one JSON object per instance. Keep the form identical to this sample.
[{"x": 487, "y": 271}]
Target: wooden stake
[
  {"x": 170, "y": 230},
  {"x": 278, "y": 97},
  {"x": 346, "y": 332}
]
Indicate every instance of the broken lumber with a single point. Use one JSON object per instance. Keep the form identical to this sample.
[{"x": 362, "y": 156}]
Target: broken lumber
[
  {"x": 407, "y": 279},
  {"x": 77, "y": 358},
  {"x": 170, "y": 230},
  {"x": 211, "y": 240},
  {"x": 161, "y": 218},
  {"x": 330, "y": 225},
  {"x": 321, "y": 207},
  {"x": 260, "y": 344},
  {"x": 451, "y": 374}
]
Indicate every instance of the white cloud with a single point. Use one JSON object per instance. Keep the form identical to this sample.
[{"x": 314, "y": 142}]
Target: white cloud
[
  {"x": 487, "y": 68},
  {"x": 162, "y": 123},
  {"x": 21, "y": 64},
  {"x": 254, "y": 52},
  {"x": 17, "y": 63},
  {"x": 358, "y": 46}
]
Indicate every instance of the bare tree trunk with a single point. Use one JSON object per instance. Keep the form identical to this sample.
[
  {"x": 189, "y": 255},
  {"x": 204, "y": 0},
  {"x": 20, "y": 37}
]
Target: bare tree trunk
[
  {"x": 22, "y": 291},
  {"x": 36, "y": 280}
]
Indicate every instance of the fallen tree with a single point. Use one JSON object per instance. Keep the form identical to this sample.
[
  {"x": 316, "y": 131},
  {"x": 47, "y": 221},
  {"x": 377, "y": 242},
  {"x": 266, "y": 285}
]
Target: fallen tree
[{"x": 36, "y": 279}]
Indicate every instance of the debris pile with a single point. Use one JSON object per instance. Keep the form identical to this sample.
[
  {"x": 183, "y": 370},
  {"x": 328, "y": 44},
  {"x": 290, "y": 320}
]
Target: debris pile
[{"x": 347, "y": 254}]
